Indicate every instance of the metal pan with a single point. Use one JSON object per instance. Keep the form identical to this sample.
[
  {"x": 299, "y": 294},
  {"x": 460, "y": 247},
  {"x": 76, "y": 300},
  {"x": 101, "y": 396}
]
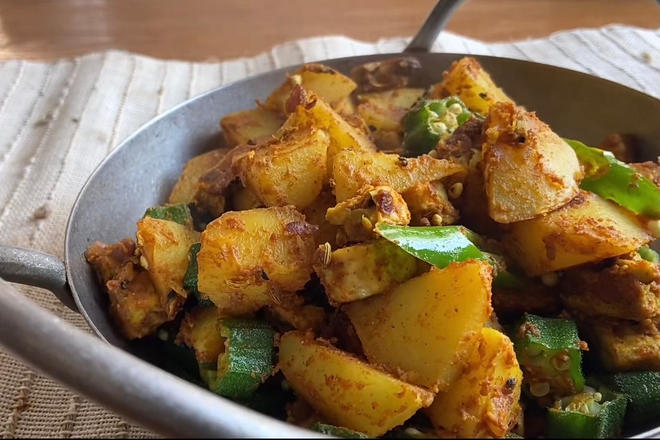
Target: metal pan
[{"x": 143, "y": 169}]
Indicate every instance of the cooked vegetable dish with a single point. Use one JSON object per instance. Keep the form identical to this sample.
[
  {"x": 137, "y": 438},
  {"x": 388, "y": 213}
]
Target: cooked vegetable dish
[{"x": 365, "y": 258}]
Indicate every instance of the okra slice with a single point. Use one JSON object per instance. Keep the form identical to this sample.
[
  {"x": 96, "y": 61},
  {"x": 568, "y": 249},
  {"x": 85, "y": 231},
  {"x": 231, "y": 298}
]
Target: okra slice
[
  {"x": 642, "y": 388},
  {"x": 549, "y": 353},
  {"x": 179, "y": 213},
  {"x": 247, "y": 360},
  {"x": 431, "y": 121},
  {"x": 336, "y": 431},
  {"x": 591, "y": 414},
  {"x": 190, "y": 278}
]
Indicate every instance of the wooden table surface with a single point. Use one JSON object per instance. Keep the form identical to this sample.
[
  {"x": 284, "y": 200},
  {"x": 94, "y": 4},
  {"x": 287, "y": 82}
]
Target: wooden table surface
[{"x": 220, "y": 29}]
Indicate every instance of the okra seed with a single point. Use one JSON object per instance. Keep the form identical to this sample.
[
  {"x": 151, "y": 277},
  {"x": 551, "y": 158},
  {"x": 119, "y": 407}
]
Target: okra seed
[
  {"x": 550, "y": 279},
  {"x": 455, "y": 108},
  {"x": 560, "y": 362},
  {"x": 440, "y": 127},
  {"x": 598, "y": 397},
  {"x": 456, "y": 190},
  {"x": 539, "y": 389},
  {"x": 450, "y": 119},
  {"x": 436, "y": 219}
]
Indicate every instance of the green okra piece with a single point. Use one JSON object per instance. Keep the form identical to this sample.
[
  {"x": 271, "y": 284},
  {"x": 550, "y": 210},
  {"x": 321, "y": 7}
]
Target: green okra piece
[
  {"x": 642, "y": 388},
  {"x": 431, "y": 121},
  {"x": 247, "y": 360},
  {"x": 549, "y": 353},
  {"x": 591, "y": 414}
]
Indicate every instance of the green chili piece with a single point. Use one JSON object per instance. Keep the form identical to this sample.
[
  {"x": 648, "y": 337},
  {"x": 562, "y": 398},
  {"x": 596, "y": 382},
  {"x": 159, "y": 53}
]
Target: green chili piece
[
  {"x": 549, "y": 354},
  {"x": 617, "y": 181},
  {"x": 431, "y": 121},
  {"x": 443, "y": 245},
  {"x": 592, "y": 414},
  {"x": 179, "y": 213}
]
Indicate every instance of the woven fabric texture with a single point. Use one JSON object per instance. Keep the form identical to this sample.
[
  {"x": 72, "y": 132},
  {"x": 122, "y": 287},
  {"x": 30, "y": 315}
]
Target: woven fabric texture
[{"x": 59, "y": 120}]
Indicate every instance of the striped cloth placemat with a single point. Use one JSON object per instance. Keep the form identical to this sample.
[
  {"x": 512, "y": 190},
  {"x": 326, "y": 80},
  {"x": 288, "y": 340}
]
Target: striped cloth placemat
[{"x": 60, "y": 119}]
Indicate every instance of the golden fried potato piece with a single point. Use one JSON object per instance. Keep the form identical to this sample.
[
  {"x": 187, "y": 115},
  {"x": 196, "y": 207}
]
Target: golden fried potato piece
[
  {"x": 470, "y": 82},
  {"x": 528, "y": 169},
  {"x": 290, "y": 171},
  {"x": 352, "y": 170},
  {"x": 247, "y": 255}
]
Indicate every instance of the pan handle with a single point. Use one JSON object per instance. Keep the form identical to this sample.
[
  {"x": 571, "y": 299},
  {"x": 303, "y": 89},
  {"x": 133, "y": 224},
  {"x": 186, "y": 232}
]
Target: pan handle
[
  {"x": 34, "y": 268},
  {"x": 435, "y": 22}
]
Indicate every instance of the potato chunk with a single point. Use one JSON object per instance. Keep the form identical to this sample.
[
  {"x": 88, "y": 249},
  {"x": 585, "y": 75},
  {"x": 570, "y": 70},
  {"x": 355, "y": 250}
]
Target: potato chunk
[
  {"x": 427, "y": 326},
  {"x": 247, "y": 254},
  {"x": 351, "y": 170},
  {"x": 383, "y": 111},
  {"x": 312, "y": 111},
  {"x": 588, "y": 228},
  {"x": 622, "y": 345},
  {"x": 164, "y": 246},
  {"x": 135, "y": 305},
  {"x": 483, "y": 401},
  {"x": 363, "y": 270},
  {"x": 528, "y": 169},
  {"x": 470, "y": 82},
  {"x": 628, "y": 289},
  {"x": 185, "y": 188},
  {"x": 200, "y": 330},
  {"x": 346, "y": 391},
  {"x": 288, "y": 172},
  {"x": 329, "y": 84},
  {"x": 250, "y": 125}
]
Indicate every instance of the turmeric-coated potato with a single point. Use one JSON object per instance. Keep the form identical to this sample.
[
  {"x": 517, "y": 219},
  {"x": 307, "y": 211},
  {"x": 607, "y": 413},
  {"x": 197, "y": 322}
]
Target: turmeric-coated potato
[
  {"x": 352, "y": 170},
  {"x": 186, "y": 187},
  {"x": 528, "y": 169},
  {"x": 164, "y": 246},
  {"x": 246, "y": 255},
  {"x": 250, "y": 125},
  {"x": 346, "y": 391},
  {"x": 313, "y": 111},
  {"x": 288, "y": 172},
  {"x": 333, "y": 87},
  {"x": 470, "y": 82},
  {"x": 363, "y": 270},
  {"x": 588, "y": 228},
  {"x": 426, "y": 328},
  {"x": 200, "y": 330},
  {"x": 483, "y": 401}
]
